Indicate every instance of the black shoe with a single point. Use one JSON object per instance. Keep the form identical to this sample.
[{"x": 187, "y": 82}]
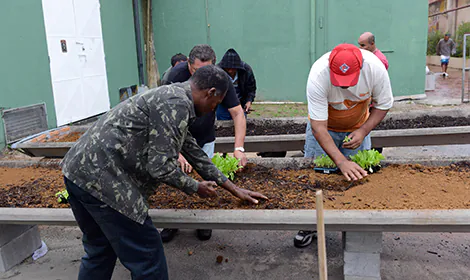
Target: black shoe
[
  {"x": 303, "y": 238},
  {"x": 204, "y": 234},
  {"x": 168, "y": 234}
]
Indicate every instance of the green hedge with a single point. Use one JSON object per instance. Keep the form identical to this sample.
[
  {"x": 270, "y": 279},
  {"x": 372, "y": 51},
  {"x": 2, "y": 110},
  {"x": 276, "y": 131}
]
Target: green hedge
[
  {"x": 433, "y": 39},
  {"x": 464, "y": 28}
]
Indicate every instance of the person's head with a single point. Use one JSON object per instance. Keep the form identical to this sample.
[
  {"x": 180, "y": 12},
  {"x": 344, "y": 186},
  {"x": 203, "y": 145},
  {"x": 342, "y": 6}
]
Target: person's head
[
  {"x": 446, "y": 37},
  {"x": 209, "y": 84},
  {"x": 345, "y": 64},
  {"x": 230, "y": 62},
  {"x": 367, "y": 41},
  {"x": 177, "y": 58},
  {"x": 200, "y": 55}
]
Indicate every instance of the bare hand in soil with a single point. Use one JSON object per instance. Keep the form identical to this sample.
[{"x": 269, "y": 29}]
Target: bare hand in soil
[
  {"x": 241, "y": 156},
  {"x": 185, "y": 166},
  {"x": 356, "y": 137},
  {"x": 247, "y": 107},
  {"x": 206, "y": 189},
  {"x": 351, "y": 170},
  {"x": 247, "y": 195}
]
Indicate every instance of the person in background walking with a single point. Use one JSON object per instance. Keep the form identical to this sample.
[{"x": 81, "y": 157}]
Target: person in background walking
[{"x": 445, "y": 48}]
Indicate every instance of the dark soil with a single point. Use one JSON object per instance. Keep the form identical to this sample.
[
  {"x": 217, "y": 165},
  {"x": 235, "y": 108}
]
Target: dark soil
[
  {"x": 273, "y": 127},
  {"x": 423, "y": 122},
  {"x": 393, "y": 187}
]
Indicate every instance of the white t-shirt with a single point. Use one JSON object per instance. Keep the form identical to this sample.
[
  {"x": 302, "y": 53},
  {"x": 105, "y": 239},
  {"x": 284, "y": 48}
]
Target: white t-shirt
[{"x": 347, "y": 109}]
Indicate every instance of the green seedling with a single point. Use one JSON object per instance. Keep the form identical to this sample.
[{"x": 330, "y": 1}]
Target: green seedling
[
  {"x": 324, "y": 161},
  {"x": 227, "y": 165},
  {"x": 62, "y": 196},
  {"x": 367, "y": 159},
  {"x": 346, "y": 139}
]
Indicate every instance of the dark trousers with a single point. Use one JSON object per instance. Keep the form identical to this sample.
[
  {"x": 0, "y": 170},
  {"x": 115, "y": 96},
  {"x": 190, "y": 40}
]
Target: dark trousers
[{"x": 108, "y": 235}]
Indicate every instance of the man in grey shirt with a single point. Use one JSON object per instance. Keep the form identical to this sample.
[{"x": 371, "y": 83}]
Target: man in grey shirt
[{"x": 445, "y": 48}]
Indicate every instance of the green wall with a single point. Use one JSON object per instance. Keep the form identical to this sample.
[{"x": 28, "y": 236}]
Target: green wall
[
  {"x": 281, "y": 39},
  {"x": 401, "y": 33},
  {"x": 117, "y": 23},
  {"x": 24, "y": 75}
]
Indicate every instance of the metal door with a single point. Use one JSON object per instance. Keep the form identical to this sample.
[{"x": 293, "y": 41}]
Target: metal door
[{"x": 77, "y": 62}]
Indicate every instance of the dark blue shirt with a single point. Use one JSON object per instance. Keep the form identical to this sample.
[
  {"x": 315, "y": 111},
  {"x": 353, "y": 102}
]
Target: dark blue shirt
[{"x": 203, "y": 128}]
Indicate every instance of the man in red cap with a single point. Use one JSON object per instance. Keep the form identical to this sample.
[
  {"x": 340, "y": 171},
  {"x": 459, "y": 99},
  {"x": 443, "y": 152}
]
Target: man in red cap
[{"x": 340, "y": 87}]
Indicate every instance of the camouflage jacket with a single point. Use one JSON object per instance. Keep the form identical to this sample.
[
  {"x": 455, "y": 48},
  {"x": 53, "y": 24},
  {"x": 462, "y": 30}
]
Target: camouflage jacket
[{"x": 123, "y": 157}]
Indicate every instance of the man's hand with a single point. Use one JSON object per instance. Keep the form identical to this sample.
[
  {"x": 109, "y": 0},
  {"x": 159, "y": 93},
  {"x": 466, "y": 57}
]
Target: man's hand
[
  {"x": 351, "y": 170},
  {"x": 241, "y": 156},
  {"x": 247, "y": 195},
  {"x": 357, "y": 137},
  {"x": 248, "y": 107},
  {"x": 206, "y": 189},
  {"x": 185, "y": 166}
]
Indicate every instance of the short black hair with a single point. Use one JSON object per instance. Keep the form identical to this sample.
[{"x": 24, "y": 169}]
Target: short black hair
[
  {"x": 203, "y": 53},
  {"x": 211, "y": 76},
  {"x": 372, "y": 39},
  {"x": 178, "y": 57}
]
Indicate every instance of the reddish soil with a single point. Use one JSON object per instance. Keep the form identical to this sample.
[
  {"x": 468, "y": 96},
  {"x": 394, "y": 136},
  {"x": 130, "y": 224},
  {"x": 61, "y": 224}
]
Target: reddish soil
[
  {"x": 71, "y": 137},
  {"x": 394, "y": 187}
]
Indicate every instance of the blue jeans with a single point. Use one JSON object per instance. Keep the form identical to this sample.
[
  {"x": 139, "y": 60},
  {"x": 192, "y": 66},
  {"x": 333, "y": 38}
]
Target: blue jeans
[
  {"x": 108, "y": 235},
  {"x": 209, "y": 149},
  {"x": 313, "y": 149}
]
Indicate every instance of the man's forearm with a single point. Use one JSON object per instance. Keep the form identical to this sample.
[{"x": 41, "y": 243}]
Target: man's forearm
[
  {"x": 239, "y": 122},
  {"x": 229, "y": 186},
  {"x": 320, "y": 132},
  {"x": 376, "y": 116}
]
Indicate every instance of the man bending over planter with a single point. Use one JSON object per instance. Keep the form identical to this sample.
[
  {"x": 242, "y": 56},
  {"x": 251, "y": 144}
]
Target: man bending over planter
[
  {"x": 341, "y": 85},
  {"x": 203, "y": 128},
  {"x": 122, "y": 158}
]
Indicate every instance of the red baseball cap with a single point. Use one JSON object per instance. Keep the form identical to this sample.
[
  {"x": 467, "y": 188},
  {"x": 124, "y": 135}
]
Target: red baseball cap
[{"x": 345, "y": 65}]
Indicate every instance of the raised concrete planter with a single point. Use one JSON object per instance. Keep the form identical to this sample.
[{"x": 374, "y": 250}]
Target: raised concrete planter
[
  {"x": 362, "y": 238},
  {"x": 294, "y": 142},
  {"x": 17, "y": 242}
]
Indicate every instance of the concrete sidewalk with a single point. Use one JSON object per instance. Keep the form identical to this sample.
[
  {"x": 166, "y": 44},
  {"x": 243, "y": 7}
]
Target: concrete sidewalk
[{"x": 263, "y": 255}]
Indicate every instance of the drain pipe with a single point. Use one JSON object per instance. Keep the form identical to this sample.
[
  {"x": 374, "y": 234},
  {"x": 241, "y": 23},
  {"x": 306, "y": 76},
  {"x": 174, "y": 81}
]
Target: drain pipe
[{"x": 138, "y": 41}]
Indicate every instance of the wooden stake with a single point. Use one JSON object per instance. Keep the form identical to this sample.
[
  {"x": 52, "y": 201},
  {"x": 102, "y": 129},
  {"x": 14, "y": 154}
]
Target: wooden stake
[
  {"x": 322, "y": 264},
  {"x": 153, "y": 75}
]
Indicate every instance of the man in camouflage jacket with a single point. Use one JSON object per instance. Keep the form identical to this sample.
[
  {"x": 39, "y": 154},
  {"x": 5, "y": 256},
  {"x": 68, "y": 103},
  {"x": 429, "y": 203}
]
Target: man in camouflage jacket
[{"x": 113, "y": 167}]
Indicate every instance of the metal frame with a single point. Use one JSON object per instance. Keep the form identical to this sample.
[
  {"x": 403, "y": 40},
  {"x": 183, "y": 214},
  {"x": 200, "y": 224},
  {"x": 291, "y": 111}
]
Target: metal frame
[{"x": 3, "y": 110}]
